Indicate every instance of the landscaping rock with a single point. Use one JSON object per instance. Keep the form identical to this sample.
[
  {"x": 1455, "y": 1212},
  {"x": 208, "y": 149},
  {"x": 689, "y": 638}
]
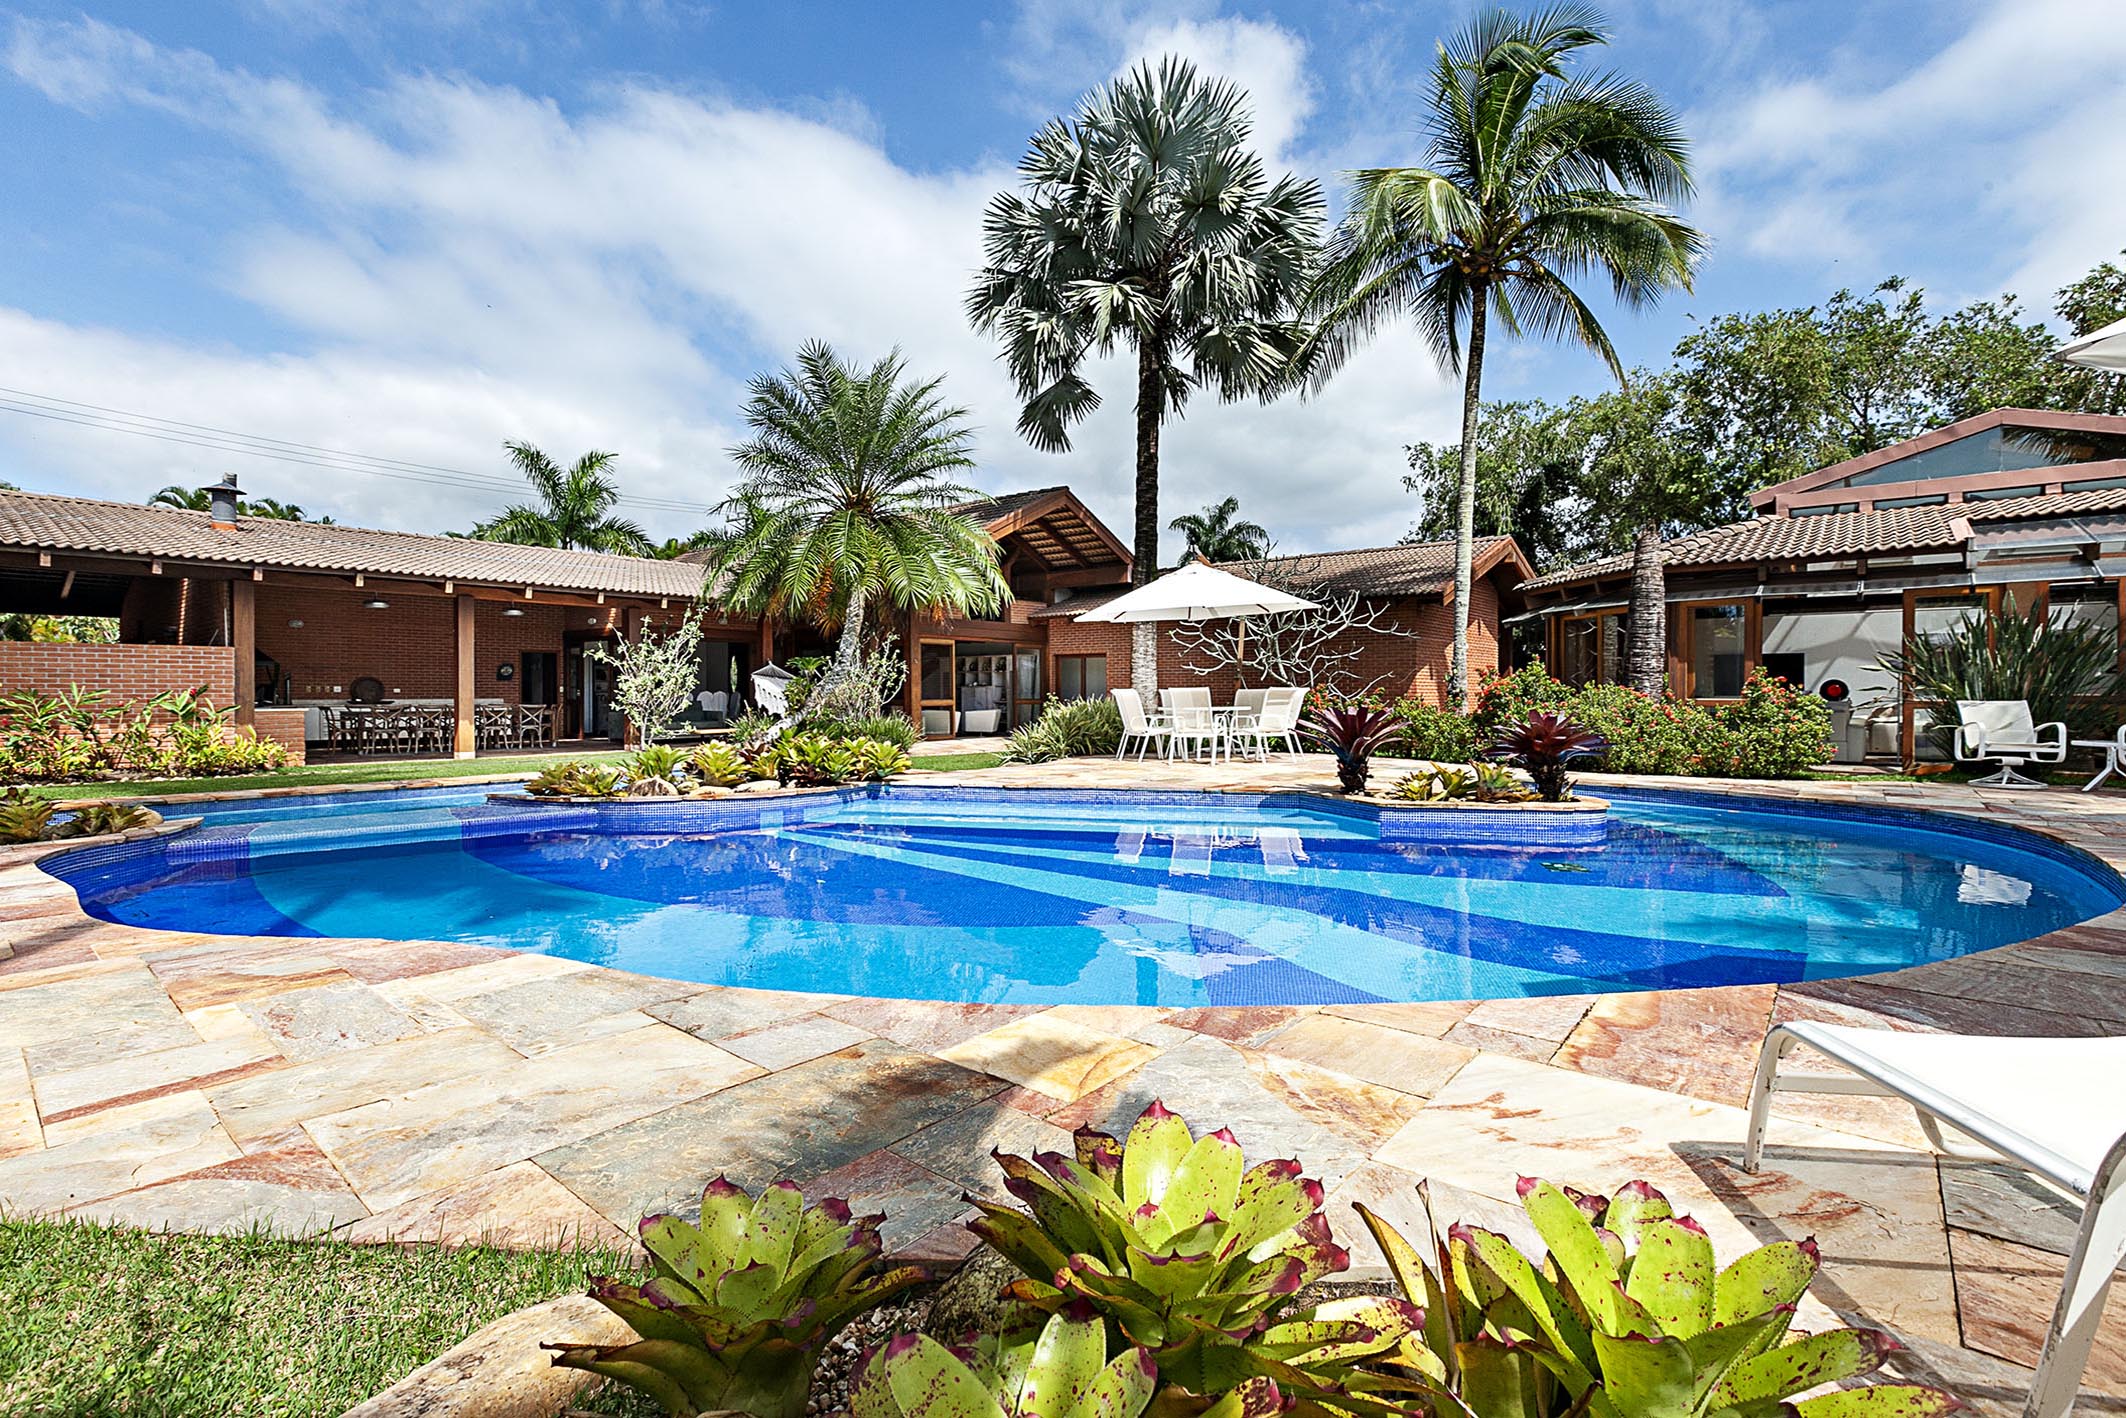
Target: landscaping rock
[
  {"x": 971, "y": 1298},
  {"x": 500, "y": 1371}
]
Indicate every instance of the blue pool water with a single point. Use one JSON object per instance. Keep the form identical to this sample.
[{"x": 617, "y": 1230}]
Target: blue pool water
[{"x": 1049, "y": 897}]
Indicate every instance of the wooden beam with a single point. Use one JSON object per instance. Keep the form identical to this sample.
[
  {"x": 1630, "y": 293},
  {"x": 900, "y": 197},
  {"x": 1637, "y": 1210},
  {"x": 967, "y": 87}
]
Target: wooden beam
[
  {"x": 243, "y": 642},
  {"x": 66, "y": 587},
  {"x": 467, "y": 742}
]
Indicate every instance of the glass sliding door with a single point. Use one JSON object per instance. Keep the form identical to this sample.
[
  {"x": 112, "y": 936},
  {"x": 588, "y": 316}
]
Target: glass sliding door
[
  {"x": 937, "y": 682},
  {"x": 1026, "y": 687}
]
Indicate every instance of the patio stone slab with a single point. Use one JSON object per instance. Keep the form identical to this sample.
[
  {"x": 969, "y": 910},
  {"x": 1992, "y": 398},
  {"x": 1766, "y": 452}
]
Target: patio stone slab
[
  {"x": 255, "y": 1109},
  {"x": 1700, "y": 1042},
  {"x": 1213, "y": 1085},
  {"x": 802, "y": 1122},
  {"x": 137, "y": 1077},
  {"x": 1503, "y": 1041},
  {"x": 91, "y": 1018},
  {"x": 518, "y": 1206},
  {"x": 228, "y": 1206},
  {"x": 131, "y": 1147},
  {"x": 1551, "y": 1017},
  {"x": 2006, "y": 1293},
  {"x": 535, "y": 1015},
  {"x": 398, "y": 1148},
  {"x": 20, "y": 1130},
  {"x": 328, "y": 1019},
  {"x": 958, "y": 1148},
  {"x": 794, "y": 1040},
  {"x": 915, "y": 1201},
  {"x": 230, "y": 972},
  {"x": 1408, "y": 1063},
  {"x": 1050, "y": 1056},
  {"x": 1367, "y": 1114},
  {"x": 928, "y": 1025},
  {"x": 721, "y": 1012},
  {"x": 1239, "y": 1026},
  {"x": 2007, "y": 1204}
]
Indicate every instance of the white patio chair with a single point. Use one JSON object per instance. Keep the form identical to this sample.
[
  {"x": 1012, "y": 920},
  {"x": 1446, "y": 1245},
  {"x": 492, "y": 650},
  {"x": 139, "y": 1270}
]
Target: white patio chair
[
  {"x": 1281, "y": 711},
  {"x": 1136, "y": 725},
  {"x": 2047, "y": 1105},
  {"x": 1192, "y": 724},
  {"x": 2000, "y": 730}
]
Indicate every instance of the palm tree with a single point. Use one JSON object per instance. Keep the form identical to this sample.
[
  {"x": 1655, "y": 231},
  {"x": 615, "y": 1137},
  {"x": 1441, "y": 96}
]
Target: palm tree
[
  {"x": 196, "y": 499},
  {"x": 1214, "y": 535},
  {"x": 673, "y": 547},
  {"x": 1534, "y": 179},
  {"x": 575, "y": 507},
  {"x": 850, "y": 482},
  {"x": 1146, "y": 222}
]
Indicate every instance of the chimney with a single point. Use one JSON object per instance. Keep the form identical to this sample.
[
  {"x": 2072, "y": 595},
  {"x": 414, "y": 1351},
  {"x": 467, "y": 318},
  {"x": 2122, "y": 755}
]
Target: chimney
[{"x": 222, "y": 502}]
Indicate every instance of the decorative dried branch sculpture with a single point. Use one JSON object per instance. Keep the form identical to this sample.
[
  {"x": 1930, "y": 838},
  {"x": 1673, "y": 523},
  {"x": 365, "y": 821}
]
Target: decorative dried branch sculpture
[{"x": 1319, "y": 649}]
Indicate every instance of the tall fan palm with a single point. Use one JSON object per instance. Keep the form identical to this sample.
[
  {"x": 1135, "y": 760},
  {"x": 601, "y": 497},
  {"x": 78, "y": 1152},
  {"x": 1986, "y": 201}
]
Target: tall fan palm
[
  {"x": 847, "y": 501},
  {"x": 574, "y": 510},
  {"x": 1534, "y": 179},
  {"x": 1219, "y": 533},
  {"x": 197, "y": 499},
  {"x": 1147, "y": 222}
]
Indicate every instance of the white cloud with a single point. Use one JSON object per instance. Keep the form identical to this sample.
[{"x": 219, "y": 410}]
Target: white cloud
[
  {"x": 461, "y": 263},
  {"x": 2017, "y": 118}
]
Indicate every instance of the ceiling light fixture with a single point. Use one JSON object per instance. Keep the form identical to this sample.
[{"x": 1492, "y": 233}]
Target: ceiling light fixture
[
  {"x": 376, "y": 603},
  {"x": 513, "y": 611}
]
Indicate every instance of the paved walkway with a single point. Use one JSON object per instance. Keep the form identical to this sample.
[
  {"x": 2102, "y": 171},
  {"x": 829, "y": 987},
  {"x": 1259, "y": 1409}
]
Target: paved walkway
[{"x": 433, "y": 1091}]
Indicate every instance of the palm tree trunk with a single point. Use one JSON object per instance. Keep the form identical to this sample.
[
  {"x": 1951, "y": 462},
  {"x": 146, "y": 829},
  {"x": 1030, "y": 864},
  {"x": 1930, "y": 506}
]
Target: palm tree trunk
[
  {"x": 1151, "y": 411},
  {"x": 1648, "y": 655},
  {"x": 1465, "y": 508},
  {"x": 849, "y": 648}
]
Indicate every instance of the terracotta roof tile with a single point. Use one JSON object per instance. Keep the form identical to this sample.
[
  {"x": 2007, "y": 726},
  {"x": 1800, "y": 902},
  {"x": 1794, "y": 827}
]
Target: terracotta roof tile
[
  {"x": 1834, "y": 534},
  {"x": 45, "y": 522}
]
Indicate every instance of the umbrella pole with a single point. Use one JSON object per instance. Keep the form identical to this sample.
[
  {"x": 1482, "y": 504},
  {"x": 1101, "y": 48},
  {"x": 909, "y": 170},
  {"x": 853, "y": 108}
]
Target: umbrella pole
[{"x": 1240, "y": 656}]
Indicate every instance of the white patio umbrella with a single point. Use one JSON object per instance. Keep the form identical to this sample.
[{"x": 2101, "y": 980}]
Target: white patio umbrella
[
  {"x": 1197, "y": 591},
  {"x": 2099, "y": 349}
]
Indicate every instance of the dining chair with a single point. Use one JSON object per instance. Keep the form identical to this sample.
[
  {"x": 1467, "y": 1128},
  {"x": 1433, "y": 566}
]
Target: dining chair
[
  {"x": 1137, "y": 725},
  {"x": 1191, "y": 722}
]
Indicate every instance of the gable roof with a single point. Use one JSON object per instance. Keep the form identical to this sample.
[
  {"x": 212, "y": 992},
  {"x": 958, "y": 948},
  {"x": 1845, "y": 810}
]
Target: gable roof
[
  {"x": 1766, "y": 498},
  {"x": 47, "y": 522},
  {"x": 1842, "y": 534}
]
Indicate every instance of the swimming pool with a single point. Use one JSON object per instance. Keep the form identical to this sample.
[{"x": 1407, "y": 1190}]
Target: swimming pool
[{"x": 1028, "y": 896}]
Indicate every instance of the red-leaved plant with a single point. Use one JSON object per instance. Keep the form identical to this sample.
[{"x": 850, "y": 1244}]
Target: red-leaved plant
[
  {"x": 1354, "y": 733},
  {"x": 1543, "y": 743}
]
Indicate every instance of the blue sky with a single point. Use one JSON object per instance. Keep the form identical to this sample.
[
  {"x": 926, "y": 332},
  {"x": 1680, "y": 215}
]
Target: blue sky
[{"x": 414, "y": 231}]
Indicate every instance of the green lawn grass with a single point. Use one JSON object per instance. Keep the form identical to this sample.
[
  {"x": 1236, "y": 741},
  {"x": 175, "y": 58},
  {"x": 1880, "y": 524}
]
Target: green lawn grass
[
  {"x": 957, "y": 762},
  {"x": 97, "y": 1321}
]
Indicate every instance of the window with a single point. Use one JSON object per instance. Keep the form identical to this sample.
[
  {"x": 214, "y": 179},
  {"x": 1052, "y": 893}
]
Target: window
[
  {"x": 1825, "y": 510},
  {"x": 1591, "y": 648},
  {"x": 1936, "y": 499},
  {"x": 1717, "y": 650},
  {"x": 1996, "y": 494},
  {"x": 1081, "y": 676}
]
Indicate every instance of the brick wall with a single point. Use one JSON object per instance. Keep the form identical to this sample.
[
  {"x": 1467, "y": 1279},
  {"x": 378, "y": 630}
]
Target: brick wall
[
  {"x": 126, "y": 671},
  {"x": 284, "y": 727},
  {"x": 411, "y": 647}
]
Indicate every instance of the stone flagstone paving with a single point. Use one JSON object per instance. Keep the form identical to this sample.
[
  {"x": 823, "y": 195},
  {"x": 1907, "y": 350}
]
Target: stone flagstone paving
[{"x": 384, "y": 1090}]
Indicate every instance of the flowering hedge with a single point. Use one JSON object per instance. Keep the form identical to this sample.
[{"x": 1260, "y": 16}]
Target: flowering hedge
[{"x": 1772, "y": 731}]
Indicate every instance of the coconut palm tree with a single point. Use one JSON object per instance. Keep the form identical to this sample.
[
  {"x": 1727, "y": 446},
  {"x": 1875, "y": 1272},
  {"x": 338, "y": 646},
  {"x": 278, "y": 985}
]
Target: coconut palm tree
[
  {"x": 1534, "y": 178},
  {"x": 575, "y": 507},
  {"x": 1146, "y": 222},
  {"x": 1215, "y": 535},
  {"x": 847, "y": 502}
]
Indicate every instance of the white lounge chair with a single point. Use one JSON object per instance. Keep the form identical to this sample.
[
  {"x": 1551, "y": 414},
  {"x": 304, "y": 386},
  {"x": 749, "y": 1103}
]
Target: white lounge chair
[
  {"x": 2049, "y": 1105},
  {"x": 1136, "y": 724},
  {"x": 1999, "y": 730}
]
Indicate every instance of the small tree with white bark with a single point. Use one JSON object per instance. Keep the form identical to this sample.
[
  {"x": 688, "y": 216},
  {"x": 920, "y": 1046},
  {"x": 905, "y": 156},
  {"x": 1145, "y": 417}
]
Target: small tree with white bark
[
  {"x": 654, "y": 675},
  {"x": 1317, "y": 649}
]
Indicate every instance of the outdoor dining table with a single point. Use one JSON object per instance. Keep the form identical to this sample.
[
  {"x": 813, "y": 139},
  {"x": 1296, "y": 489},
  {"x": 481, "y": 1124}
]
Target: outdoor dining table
[{"x": 1225, "y": 718}]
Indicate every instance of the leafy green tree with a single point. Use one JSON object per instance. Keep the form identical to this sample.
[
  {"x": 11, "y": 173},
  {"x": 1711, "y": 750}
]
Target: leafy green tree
[
  {"x": 851, "y": 477},
  {"x": 1220, "y": 533},
  {"x": 1535, "y": 178},
  {"x": 1146, "y": 222},
  {"x": 574, "y": 508},
  {"x": 2088, "y": 305},
  {"x": 672, "y": 548},
  {"x": 1528, "y": 483}
]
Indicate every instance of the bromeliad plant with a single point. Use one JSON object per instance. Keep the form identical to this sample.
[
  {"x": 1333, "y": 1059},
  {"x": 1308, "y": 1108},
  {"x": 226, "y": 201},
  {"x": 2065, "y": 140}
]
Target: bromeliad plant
[
  {"x": 654, "y": 772},
  {"x": 1192, "y": 1255},
  {"x": 1628, "y": 1317},
  {"x": 1543, "y": 743},
  {"x": 742, "y": 1305},
  {"x": 1354, "y": 733},
  {"x": 1059, "y": 1371}
]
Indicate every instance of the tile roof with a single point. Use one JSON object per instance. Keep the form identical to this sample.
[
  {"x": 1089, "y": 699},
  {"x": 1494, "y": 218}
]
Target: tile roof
[
  {"x": 1003, "y": 504},
  {"x": 1837, "y": 534},
  {"x": 43, "y": 522}
]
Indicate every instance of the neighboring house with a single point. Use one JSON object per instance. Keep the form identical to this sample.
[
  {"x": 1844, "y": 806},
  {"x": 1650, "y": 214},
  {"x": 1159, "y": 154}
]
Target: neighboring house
[
  {"x": 1854, "y": 560},
  {"x": 285, "y": 619}
]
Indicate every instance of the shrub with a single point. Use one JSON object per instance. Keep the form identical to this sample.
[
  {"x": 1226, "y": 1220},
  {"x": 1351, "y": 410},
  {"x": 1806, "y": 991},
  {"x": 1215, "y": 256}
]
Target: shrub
[
  {"x": 1545, "y": 743},
  {"x": 741, "y": 1306},
  {"x": 814, "y": 762},
  {"x": 75, "y": 733},
  {"x": 654, "y": 772},
  {"x": 1435, "y": 785},
  {"x": 1353, "y": 734},
  {"x": 1510, "y": 699},
  {"x": 1067, "y": 728},
  {"x": 1627, "y": 1315},
  {"x": 1645, "y": 735},
  {"x": 878, "y": 760},
  {"x": 25, "y": 819},
  {"x": 1775, "y": 730},
  {"x": 1428, "y": 731},
  {"x": 577, "y": 780},
  {"x": 102, "y": 819},
  {"x": 893, "y": 728}
]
